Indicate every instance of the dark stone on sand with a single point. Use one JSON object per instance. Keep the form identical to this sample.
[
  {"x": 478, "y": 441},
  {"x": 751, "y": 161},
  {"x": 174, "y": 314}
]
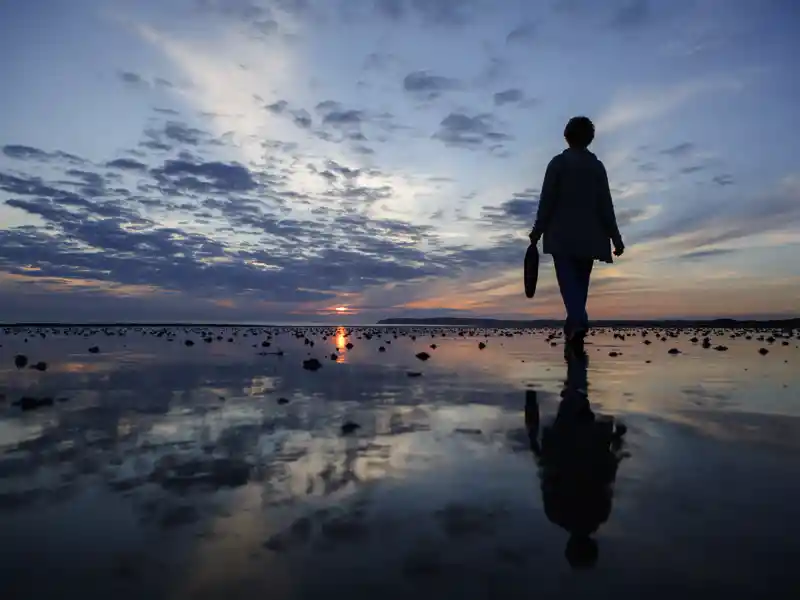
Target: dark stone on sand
[
  {"x": 720, "y": 348},
  {"x": 349, "y": 345},
  {"x": 283, "y": 401},
  {"x": 20, "y": 360},
  {"x": 433, "y": 346},
  {"x": 334, "y": 356},
  {"x": 673, "y": 351},
  {"x": 382, "y": 349},
  {"x": 189, "y": 343},
  {"x": 763, "y": 351},
  {"x": 312, "y": 364},
  {"x": 40, "y": 366},
  {"x": 647, "y": 342},
  {"x": 350, "y": 427},
  {"x": 613, "y": 354},
  {"x": 94, "y": 350},
  {"x": 554, "y": 344},
  {"x": 414, "y": 374},
  {"x": 481, "y": 346},
  {"x": 694, "y": 340},
  {"x": 265, "y": 344},
  {"x": 423, "y": 356},
  {"x": 31, "y": 403},
  {"x": 468, "y": 430}
]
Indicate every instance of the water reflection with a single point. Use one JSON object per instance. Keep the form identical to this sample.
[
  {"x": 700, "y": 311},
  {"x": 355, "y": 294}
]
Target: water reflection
[
  {"x": 578, "y": 456},
  {"x": 221, "y": 469}
]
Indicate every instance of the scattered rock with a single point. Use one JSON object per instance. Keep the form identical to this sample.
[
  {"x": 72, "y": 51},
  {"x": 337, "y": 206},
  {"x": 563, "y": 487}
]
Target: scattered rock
[
  {"x": 382, "y": 349},
  {"x": 721, "y": 348},
  {"x": 433, "y": 346},
  {"x": 468, "y": 430},
  {"x": 423, "y": 356},
  {"x": 189, "y": 343},
  {"x": 334, "y": 356},
  {"x": 414, "y": 374},
  {"x": 763, "y": 351},
  {"x": 613, "y": 354},
  {"x": 283, "y": 401},
  {"x": 312, "y": 364},
  {"x": 349, "y": 345},
  {"x": 30, "y": 403},
  {"x": 94, "y": 350},
  {"x": 481, "y": 346},
  {"x": 40, "y": 366},
  {"x": 673, "y": 351},
  {"x": 349, "y": 427},
  {"x": 20, "y": 360}
]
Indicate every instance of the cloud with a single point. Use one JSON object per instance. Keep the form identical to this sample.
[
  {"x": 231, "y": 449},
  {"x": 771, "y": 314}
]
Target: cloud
[
  {"x": 111, "y": 242},
  {"x": 517, "y": 212},
  {"x": 510, "y": 96},
  {"x": 682, "y": 149},
  {"x": 636, "y": 105},
  {"x": 22, "y": 152},
  {"x": 709, "y": 223},
  {"x": 703, "y": 254},
  {"x": 430, "y": 12},
  {"x": 183, "y": 134},
  {"x": 343, "y": 117},
  {"x": 127, "y": 164},
  {"x": 523, "y": 33},
  {"x": 132, "y": 79},
  {"x": 180, "y": 175},
  {"x": 302, "y": 118},
  {"x": 461, "y": 130},
  {"x": 723, "y": 179},
  {"x": 431, "y": 86},
  {"x": 278, "y": 107}
]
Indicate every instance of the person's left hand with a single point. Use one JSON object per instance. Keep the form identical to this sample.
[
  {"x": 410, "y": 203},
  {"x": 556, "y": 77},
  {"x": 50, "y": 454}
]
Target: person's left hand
[{"x": 534, "y": 236}]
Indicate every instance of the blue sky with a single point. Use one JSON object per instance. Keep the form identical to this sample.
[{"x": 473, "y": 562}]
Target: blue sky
[{"x": 256, "y": 160}]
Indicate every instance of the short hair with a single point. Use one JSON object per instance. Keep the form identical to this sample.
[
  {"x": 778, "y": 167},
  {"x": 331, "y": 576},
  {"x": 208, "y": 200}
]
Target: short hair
[{"x": 579, "y": 132}]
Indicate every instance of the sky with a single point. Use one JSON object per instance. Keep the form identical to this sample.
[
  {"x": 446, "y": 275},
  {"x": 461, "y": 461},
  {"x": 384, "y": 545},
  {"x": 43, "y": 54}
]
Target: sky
[{"x": 352, "y": 160}]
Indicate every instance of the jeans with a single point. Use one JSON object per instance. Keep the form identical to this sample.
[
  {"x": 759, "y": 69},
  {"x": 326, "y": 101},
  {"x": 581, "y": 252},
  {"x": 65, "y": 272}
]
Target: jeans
[{"x": 573, "y": 280}]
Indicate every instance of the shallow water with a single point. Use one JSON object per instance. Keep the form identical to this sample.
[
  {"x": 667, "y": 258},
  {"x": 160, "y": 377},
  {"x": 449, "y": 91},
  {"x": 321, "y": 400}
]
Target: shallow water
[{"x": 160, "y": 470}]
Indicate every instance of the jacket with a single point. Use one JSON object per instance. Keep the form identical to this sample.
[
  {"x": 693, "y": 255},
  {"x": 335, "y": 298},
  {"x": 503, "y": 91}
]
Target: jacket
[{"x": 576, "y": 213}]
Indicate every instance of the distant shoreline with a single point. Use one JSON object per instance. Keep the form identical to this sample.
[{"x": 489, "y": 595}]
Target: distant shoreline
[
  {"x": 486, "y": 323},
  {"x": 655, "y": 323}
]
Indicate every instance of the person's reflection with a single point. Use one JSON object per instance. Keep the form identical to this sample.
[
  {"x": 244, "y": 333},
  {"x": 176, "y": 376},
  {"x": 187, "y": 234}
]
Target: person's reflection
[{"x": 577, "y": 456}]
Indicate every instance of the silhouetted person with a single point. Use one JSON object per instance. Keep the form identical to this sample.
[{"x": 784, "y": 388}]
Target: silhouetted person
[
  {"x": 578, "y": 457},
  {"x": 576, "y": 217}
]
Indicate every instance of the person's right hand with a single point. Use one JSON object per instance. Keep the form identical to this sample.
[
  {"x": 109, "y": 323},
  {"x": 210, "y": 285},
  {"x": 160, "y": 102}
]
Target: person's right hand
[{"x": 619, "y": 249}]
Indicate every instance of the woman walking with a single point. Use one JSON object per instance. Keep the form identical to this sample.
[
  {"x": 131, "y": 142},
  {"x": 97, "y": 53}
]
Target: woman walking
[{"x": 576, "y": 217}]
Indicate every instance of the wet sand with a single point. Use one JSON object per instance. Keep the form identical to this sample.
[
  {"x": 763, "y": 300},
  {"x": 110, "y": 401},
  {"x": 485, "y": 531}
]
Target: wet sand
[{"x": 149, "y": 468}]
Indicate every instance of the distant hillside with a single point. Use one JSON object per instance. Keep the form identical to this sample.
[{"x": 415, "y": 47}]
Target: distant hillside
[{"x": 670, "y": 324}]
